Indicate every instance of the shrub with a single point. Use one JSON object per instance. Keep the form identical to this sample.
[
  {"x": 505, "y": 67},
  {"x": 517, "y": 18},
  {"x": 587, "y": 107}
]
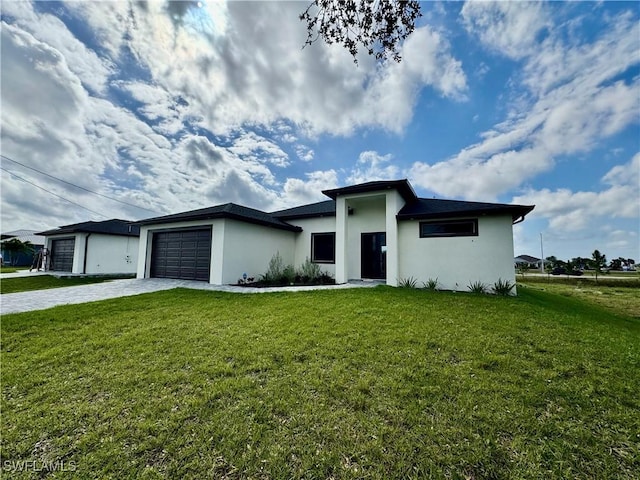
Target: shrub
[
  {"x": 431, "y": 284},
  {"x": 409, "y": 282},
  {"x": 503, "y": 287},
  {"x": 477, "y": 287},
  {"x": 275, "y": 270},
  {"x": 309, "y": 272},
  {"x": 288, "y": 275}
]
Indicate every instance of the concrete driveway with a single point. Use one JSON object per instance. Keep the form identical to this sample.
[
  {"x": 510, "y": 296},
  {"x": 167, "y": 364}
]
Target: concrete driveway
[{"x": 41, "y": 299}]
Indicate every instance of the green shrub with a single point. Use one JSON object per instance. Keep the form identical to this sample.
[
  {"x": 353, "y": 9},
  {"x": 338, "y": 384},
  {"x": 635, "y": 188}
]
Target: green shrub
[
  {"x": 309, "y": 272},
  {"x": 409, "y": 282},
  {"x": 288, "y": 275},
  {"x": 477, "y": 287},
  {"x": 503, "y": 287},
  {"x": 431, "y": 284},
  {"x": 275, "y": 270}
]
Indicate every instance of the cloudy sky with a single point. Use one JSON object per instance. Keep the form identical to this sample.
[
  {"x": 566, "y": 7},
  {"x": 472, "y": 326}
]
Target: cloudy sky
[{"x": 171, "y": 106}]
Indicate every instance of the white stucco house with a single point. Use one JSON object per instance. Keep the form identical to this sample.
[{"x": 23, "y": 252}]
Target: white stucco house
[
  {"x": 376, "y": 230},
  {"x": 109, "y": 247}
]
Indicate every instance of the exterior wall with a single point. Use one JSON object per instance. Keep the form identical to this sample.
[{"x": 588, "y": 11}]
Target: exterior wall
[
  {"x": 248, "y": 248},
  {"x": 458, "y": 261},
  {"x": 110, "y": 254},
  {"x": 303, "y": 240},
  {"x": 106, "y": 254},
  {"x": 236, "y": 248}
]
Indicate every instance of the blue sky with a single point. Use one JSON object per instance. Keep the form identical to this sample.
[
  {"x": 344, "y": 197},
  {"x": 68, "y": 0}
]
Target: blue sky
[{"x": 176, "y": 106}]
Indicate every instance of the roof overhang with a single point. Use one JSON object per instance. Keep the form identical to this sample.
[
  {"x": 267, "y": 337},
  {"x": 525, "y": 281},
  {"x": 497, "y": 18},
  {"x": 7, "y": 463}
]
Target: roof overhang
[{"x": 403, "y": 187}]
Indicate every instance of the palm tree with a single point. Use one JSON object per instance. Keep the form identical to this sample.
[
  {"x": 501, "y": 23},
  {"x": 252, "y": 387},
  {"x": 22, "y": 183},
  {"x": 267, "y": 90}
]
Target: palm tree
[
  {"x": 598, "y": 261},
  {"x": 14, "y": 247}
]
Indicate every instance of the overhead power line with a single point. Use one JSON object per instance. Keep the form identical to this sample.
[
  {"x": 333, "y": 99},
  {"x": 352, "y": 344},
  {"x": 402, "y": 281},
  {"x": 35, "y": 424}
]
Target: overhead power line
[
  {"x": 54, "y": 194},
  {"x": 78, "y": 186}
]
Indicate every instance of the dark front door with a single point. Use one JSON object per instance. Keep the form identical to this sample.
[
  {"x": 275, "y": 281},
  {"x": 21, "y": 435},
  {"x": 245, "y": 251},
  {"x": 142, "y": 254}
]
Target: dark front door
[
  {"x": 62, "y": 254},
  {"x": 374, "y": 255},
  {"x": 182, "y": 254}
]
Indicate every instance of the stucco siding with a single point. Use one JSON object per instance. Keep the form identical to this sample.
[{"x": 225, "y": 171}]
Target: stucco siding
[
  {"x": 459, "y": 261},
  {"x": 303, "y": 239},
  {"x": 111, "y": 254},
  {"x": 248, "y": 248}
]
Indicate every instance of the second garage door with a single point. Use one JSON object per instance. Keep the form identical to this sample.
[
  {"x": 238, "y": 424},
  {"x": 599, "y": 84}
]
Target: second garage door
[
  {"x": 62, "y": 254},
  {"x": 182, "y": 254}
]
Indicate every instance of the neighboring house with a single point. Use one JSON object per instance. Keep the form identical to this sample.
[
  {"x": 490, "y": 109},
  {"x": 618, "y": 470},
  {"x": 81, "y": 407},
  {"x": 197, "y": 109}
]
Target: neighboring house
[
  {"x": 21, "y": 259},
  {"x": 528, "y": 260},
  {"x": 109, "y": 247},
  {"x": 376, "y": 230}
]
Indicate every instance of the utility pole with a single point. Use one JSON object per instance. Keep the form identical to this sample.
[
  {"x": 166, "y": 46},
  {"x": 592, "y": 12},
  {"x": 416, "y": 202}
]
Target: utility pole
[{"x": 542, "y": 255}]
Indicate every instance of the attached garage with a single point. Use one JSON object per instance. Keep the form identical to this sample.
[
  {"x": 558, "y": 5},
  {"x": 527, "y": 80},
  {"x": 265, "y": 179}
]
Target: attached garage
[
  {"x": 62, "y": 254},
  {"x": 181, "y": 254}
]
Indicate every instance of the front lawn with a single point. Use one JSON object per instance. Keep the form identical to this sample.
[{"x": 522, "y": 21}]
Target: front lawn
[
  {"x": 42, "y": 282},
  {"x": 363, "y": 383}
]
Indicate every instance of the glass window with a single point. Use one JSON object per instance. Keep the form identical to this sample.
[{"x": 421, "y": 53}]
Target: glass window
[
  {"x": 449, "y": 228},
  {"x": 323, "y": 247}
]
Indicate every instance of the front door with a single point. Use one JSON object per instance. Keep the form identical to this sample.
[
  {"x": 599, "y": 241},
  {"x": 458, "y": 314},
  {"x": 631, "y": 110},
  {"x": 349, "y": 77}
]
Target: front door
[{"x": 374, "y": 255}]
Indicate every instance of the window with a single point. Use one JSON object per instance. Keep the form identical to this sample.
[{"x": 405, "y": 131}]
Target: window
[
  {"x": 449, "y": 228},
  {"x": 323, "y": 247}
]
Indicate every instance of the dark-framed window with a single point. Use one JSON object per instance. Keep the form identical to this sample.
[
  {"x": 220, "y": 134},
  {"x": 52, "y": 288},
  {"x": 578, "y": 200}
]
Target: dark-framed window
[
  {"x": 449, "y": 228},
  {"x": 323, "y": 247}
]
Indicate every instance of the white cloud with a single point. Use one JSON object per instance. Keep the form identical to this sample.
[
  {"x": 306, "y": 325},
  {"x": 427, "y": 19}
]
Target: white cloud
[
  {"x": 562, "y": 113},
  {"x": 511, "y": 28},
  {"x": 569, "y": 211},
  {"x": 373, "y": 166},
  {"x": 299, "y": 192},
  {"x": 304, "y": 153}
]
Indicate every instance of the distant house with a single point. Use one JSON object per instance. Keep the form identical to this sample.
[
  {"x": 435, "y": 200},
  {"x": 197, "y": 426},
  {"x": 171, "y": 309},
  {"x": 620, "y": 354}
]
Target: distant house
[
  {"x": 21, "y": 259},
  {"x": 109, "y": 247},
  {"x": 528, "y": 260},
  {"x": 377, "y": 230}
]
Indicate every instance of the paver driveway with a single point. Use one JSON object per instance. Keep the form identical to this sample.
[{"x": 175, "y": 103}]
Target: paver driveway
[{"x": 40, "y": 299}]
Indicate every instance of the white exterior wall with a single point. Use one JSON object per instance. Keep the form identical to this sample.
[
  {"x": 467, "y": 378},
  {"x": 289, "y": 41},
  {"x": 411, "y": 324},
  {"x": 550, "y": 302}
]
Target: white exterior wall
[
  {"x": 248, "y": 248},
  {"x": 303, "y": 240},
  {"x": 106, "y": 254},
  {"x": 110, "y": 253},
  {"x": 236, "y": 248},
  {"x": 458, "y": 261}
]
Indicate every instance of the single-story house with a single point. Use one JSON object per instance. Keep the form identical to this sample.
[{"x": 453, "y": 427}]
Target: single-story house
[
  {"x": 527, "y": 260},
  {"x": 21, "y": 259},
  {"x": 109, "y": 247},
  {"x": 375, "y": 230}
]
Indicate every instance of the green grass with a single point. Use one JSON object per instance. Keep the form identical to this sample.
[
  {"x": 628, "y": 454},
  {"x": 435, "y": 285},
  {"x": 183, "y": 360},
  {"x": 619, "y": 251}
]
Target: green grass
[
  {"x": 364, "y": 383},
  {"x": 619, "y": 299},
  {"x": 42, "y": 282},
  {"x": 12, "y": 269}
]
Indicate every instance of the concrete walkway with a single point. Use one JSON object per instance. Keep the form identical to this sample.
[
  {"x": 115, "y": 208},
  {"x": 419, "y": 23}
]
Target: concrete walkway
[{"x": 41, "y": 299}]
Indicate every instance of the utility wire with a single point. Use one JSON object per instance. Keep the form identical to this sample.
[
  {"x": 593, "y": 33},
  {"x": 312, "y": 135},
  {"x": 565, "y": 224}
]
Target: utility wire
[
  {"x": 54, "y": 194},
  {"x": 77, "y": 186}
]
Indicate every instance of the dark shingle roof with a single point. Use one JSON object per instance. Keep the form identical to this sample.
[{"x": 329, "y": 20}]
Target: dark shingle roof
[
  {"x": 320, "y": 209},
  {"x": 426, "y": 208},
  {"x": 527, "y": 258},
  {"x": 228, "y": 210},
  {"x": 403, "y": 186},
  {"x": 111, "y": 227}
]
